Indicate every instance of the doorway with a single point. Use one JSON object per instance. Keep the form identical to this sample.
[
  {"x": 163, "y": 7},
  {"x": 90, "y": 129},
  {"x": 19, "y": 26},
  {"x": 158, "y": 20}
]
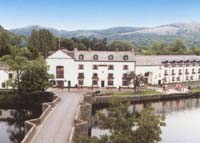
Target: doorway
[
  {"x": 159, "y": 82},
  {"x": 60, "y": 83},
  {"x": 69, "y": 84},
  {"x": 102, "y": 83}
]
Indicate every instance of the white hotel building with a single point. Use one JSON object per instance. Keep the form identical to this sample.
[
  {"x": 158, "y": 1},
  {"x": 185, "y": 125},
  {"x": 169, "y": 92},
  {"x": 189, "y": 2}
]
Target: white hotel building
[{"x": 109, "y": 68}]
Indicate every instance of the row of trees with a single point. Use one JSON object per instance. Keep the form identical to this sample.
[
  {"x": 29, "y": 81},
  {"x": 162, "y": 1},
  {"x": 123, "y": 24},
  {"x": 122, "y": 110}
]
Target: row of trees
[
  {"x": 177, "y": 47},
  {"x": 42, "y": 42}
]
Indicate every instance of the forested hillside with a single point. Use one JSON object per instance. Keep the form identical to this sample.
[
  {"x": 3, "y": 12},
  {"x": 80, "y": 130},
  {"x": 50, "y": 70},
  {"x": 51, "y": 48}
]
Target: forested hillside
[{"x": 43, "y": 42}]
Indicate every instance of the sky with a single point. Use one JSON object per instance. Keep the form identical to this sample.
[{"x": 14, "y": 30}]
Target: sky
[{"x": 96, "y": 14}]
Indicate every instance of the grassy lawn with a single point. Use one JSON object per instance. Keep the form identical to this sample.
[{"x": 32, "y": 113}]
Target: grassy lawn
[
  {"x": 148, "y": 92},
  {"x": 193, "y": 90}
]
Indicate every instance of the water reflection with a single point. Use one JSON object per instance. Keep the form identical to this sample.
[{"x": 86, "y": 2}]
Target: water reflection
[
  {"x": 166, "y": 107},
  {"x": 12, "y": 123},
  {"x": 182, "y": 119}
]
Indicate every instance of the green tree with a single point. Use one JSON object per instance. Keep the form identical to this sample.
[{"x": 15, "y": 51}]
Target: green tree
[
  {"x": 159, "y": 48},
  {"x": 122, "y": 46},
  {"x": 17, "y": 60},
  {"x": 196, "y": 50},
  {"x": 4, "y": 44},
  {"x": 35, "y": 77},
  {"x": 34, "y": 44},
  {"x": 134, "y": 79},
  {"x": 125, "y": 127},
  {"x": 47, "y": 42},
  {"x": 178, "y": 47},
  {"x": 41, "y": 41},
  {"x": 67, "y": 44}
]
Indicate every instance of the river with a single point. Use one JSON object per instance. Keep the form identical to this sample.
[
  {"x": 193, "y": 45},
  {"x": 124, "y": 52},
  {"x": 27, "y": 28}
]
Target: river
[
  {"x": 182, "y": 120},
  {"x": 12, "y": 122}
]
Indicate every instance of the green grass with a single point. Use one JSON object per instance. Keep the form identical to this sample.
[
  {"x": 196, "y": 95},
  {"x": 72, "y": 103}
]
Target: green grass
[
  {"x": 148, "y": 92},
  {"x": 194, "y": 90}
]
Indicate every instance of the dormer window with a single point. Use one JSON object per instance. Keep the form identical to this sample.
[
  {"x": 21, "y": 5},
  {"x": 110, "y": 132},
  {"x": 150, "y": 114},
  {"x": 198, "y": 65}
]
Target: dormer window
[
  {"x": 110, "y": 57},
  {"x": 126, "y": 58},
  {"x": 95, "y": 57},
  {"x": 81, "y": 57}
]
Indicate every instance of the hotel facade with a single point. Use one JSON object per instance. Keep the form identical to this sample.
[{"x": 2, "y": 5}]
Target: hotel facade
[{"x": 110, "y": 68}]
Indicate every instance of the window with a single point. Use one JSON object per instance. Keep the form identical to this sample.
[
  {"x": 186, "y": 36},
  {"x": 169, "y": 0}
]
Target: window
[
  {"x": 110, "y": 76},
  {"x": 81, "y": 57},
  {"x": 186, "y": 71},
  {"x": 178, "y": 78},
  {"x": 124, "y": 83},
  {"x": 110, "y": 57},
  {"x": 0, "y": 112},
  {"x": 95, "y": 57},
  {"x": 10, "y": 75},
  {"x": 191, "y": 78},
  {"x": 80, "y": 79},
  {"x": 199, "y": 70},
  {"x": 186, "y": 78},
  {"x": 125, "y": 67},
  {"x": 59, "y": 72},
  {"x": 166, "y": 72},
  {"x": 173, "y": 79},
  {"x": 80, "y": 75},
  {"x": 199, "y": 77},
  {"x": 80, "y": 67},
  {"x": 126, "y": 58},
  {"x": 180, "y": 72},
  {"x": 94, "y": 82},
  {"x": 95, "y": 67},
  {"x": 80, "y": 82},
  {"x": 173, "y": 73},
  {"x": 165, "y": 79},
  {"x": 110, "y": 79},
  {"x": 3, "y": 85},
  {"x": 110, "y": 67},
  {"x": 124, "y": 80},
  {"x": 110, "y": 82},
  {"x": 95, "y": 76},
  {"x": 193, "y": 71}
]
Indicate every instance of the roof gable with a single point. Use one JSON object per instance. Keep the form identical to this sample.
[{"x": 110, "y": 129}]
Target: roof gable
[{"x": 59, "y": 55}]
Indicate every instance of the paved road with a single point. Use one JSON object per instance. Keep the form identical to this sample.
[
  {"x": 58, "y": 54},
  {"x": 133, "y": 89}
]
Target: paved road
[{"x": 56, "y": 128}]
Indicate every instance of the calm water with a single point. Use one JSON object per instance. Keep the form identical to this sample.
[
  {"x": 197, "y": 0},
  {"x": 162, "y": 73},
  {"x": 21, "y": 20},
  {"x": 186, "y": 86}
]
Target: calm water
[
  {"x": 12, "y": 123},
  {"x": 182, "y": 119}
]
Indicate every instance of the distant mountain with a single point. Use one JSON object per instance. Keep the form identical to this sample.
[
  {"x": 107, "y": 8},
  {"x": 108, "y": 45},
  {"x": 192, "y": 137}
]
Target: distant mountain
[
  {"x": 10, "y": 34},
  {"x": 189, "y": 32}
]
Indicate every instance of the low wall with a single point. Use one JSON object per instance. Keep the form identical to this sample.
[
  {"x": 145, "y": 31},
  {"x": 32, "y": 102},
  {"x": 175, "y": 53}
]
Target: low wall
[
  {"x": 143, "y": 98},
  {"x": 82, "y": 121},
  {"x": 30, "y": 125}
]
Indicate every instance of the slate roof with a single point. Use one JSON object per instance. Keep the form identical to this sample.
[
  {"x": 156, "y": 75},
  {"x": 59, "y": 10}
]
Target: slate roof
[
  {"x": 70, "y": 53},
  {"x": 157, "y": 60},
  {"x": 118, "y": 56}
]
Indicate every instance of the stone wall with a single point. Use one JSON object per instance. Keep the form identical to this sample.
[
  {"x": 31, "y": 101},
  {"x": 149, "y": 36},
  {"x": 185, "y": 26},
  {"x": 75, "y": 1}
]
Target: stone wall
[
  {"x": 83, "y": 119},
  {"x": 142, "y": 98},
  {"x": 30, "y": 125}
]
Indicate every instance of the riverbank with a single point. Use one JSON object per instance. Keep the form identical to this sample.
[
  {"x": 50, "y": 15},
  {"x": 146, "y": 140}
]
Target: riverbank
[
  {"x": 91, "y": 102},
  {"x": 9, "y": 98}
]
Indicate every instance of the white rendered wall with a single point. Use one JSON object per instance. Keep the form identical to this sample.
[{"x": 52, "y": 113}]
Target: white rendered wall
[
  {"x": 183, "y": 75},
  {"x": 157, "y": 72},
  {"x": 103, "y": 71},
  {"x": 3, "y": 77}
]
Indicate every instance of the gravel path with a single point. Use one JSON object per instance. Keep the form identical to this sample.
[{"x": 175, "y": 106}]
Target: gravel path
[{"x": 56, "y": 128}]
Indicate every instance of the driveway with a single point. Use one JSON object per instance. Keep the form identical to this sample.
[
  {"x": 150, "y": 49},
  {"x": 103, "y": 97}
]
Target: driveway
[{"x": 57, "y": 126}]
